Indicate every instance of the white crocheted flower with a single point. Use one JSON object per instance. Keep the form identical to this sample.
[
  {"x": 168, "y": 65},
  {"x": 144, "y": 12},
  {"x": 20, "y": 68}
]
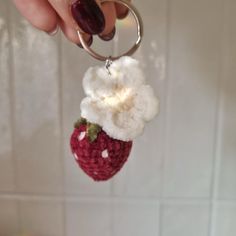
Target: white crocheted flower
[{"x": 121, "y": 103}]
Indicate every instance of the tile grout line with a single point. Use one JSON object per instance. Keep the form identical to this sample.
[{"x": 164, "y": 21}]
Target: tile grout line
[
  {"x": 11, "y": 91},
  {"x": 13, "y": 119},
  {"x": 114, "y": 50},
  {"x": 12, "y": 108},
  {"x": 217, "y": 134},
  {"x": 165, "y": 119},
  {"x": 61, "y": 198},
  {"x": 53, "y": 196},
  {"x": 61, "y": 124}
]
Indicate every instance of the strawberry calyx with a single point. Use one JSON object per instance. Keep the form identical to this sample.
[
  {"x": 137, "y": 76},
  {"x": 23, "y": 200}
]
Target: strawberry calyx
[
  {"x": 79, "y": 122},
  {"x": 92, "y": 130}
]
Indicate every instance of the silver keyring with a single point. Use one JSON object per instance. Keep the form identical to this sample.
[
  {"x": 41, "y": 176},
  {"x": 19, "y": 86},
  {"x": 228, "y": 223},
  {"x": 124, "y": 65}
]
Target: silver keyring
[{"x": 139, "y": 23}]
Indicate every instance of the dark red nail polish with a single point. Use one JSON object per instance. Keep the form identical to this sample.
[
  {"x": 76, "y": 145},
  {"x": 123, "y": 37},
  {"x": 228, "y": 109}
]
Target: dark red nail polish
[
  {"x": 88, "y": 16},
  {"x": 109, "y": 36},
  {"x": 89, "y": 42}
]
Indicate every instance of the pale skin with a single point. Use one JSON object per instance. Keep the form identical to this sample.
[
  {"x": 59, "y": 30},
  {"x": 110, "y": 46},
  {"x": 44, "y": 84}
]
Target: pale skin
[{"x": 48, "y": 15}]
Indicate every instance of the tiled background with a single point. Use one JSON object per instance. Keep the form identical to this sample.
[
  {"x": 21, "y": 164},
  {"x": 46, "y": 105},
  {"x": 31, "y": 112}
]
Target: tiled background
[{"x": 181, "y": 177}]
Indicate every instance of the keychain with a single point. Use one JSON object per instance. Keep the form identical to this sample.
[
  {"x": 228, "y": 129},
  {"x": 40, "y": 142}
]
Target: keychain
[{"x": 117, "y": 106}]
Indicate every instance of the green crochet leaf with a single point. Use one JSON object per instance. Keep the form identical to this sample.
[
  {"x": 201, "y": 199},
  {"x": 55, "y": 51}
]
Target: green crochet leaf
[
  {"x": 93, "y": 131},
  {"x": 81, "y": 121}
]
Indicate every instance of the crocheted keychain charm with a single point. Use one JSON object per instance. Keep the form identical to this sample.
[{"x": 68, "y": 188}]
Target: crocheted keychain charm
[{"x": 117, "y": 105}]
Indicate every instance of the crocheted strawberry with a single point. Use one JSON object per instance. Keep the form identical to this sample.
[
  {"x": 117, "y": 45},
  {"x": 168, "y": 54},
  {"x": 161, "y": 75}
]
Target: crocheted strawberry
[
  {"x": 116, "y": 107},
  {"x": 99, "y": 155}
]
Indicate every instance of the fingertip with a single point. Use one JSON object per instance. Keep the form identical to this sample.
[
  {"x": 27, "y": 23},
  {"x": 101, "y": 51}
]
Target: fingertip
[
  {"x": 39, "y": 13},
  {"x": 109, "y": 36},
  {"x": 121, "y": 11},
  {"x": 89, "y": 42},
  {"x": 71, "y": 34},
  {"x": 47, "y": 22},
  {"x": 53, "y": 31},
  {"x": 109, "y": 12}
]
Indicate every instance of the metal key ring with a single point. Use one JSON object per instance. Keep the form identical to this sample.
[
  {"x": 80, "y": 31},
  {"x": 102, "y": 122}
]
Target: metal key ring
[{"x": 139, "y": 24}]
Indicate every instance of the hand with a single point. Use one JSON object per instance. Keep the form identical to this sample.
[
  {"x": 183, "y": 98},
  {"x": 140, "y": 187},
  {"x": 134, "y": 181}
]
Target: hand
[{"x": 90, "y": 16}]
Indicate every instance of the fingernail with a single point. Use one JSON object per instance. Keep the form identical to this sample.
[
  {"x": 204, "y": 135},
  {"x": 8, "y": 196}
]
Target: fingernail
[
  {"x": 122, "y": 16},
  {"x": 54, "y": 31},
  {"x": 109, "y": 36},
  {"x": 88, "y": 16},
  {"x": 89, "y": 42}
]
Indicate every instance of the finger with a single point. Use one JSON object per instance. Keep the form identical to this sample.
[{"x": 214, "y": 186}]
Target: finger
[
  {"x": 62, "y": 9},
  {"x": 121, "y": 10},
  {"x": 109, "y": 12},
  {"x": 71, "y": 34},
  {"x": 80, "y": 14},
  {"x": 39, "y": 13}
]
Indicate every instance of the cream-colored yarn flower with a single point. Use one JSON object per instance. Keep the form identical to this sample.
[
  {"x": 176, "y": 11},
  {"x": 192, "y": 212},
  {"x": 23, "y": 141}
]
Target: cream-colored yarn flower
[{"x": 121, "y": 103}]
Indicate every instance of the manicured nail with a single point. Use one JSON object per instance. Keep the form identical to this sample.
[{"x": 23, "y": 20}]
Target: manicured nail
[
  {"x": 122, "y": 16},
  {"x": 54, "y": 31},
  {"x": 89, "y": 42},
  {"x": 88, "y": 16},
  {"x": 109, "y": 36}
]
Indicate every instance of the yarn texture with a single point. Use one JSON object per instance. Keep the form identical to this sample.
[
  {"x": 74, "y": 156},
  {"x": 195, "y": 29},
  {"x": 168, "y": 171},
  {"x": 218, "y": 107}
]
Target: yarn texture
[
  {"x": 114, "y": 112},
  {"x": 121, "y": 103},
  {"x": 102, "y": 158}
]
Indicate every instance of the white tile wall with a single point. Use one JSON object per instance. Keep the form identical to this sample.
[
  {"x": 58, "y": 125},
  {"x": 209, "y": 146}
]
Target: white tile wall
[
  {"x": 227, "y": 185},
  {"x": 41, "y": 217},
  {"x": 185, "y": 218},
  {"x": 226, "y": 218},
  {"x": 88, "y": 217},
  {"x": 36, "y": 109},
  {"x": 9, "y": 220},
  {"x": 6, "y": 166},
  {"x": 135, "y": 218},
  {"x": 193, "y": 75},
  {"x": 180, "y": 179}
]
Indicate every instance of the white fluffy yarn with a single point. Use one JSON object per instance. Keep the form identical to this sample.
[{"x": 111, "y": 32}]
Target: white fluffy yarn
[{"x": 121, "y": 103}]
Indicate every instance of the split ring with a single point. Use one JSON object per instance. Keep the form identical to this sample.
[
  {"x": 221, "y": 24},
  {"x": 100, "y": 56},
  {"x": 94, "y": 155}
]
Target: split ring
[{"x": 139, "y": 24}]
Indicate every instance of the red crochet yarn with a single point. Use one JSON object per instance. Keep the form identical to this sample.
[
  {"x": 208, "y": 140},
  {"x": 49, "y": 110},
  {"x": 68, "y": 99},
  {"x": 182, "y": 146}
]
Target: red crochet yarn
[{"x": 102, "y": 158}]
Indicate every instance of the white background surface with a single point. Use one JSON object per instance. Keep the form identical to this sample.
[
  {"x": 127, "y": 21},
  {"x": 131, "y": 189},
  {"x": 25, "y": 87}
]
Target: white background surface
[{"x": 181, "y": 177}]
